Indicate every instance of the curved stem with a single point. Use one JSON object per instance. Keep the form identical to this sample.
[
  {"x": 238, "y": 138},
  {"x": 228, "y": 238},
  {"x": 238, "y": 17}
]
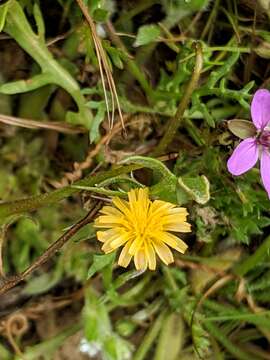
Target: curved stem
[{"x": 35, "y": 202}]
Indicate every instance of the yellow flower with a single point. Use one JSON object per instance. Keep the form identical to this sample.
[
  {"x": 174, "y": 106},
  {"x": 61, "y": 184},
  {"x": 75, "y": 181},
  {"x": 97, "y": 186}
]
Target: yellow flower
[{"x": 143, "y": 227}]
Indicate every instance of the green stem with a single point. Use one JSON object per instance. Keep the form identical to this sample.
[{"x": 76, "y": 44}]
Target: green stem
[
  {"x": 149, "y": 338},
  {"x": 223, "y": 339},
  {"x": 35, "y": 202},
  {"x": 229, "y": 49},
  {"x": 210, "y": 21},
  {"x": 132, "y": 67},
  {"x": 18, "y": 27},
  {"x": 248, "y": 264},
  {"x": 176, "y": 121}
]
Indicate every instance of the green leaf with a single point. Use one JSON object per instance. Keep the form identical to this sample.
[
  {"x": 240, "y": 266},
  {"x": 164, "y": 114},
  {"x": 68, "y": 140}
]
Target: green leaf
[
  {"x": 100, "y": 15},
  {"x": 147, "y": 34},
  {"x": 3, "y": 14},
  {"x": 39, "y": 21},
  {"x": 97, "y": 324},
  {"x": 165, "y": 188},
  {"x": 115, "y": 55},
  {"x": 43, "y": 283},
  {"x": 21, "y": 86},
  {"x": 52, "y": 72},
  {"x": 100, "y": 262},
  {"x": 150, "y": 163},
  {"x": 99, "y": 117},
  {"x": 5, "y": 354},
  {"x": 197, "y": 188},
  {"x": 171, "y": 338}
]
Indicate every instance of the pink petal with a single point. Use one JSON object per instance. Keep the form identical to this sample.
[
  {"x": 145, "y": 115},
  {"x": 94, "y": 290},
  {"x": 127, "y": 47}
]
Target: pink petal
[
  {"x": 260, "y": 108},
  {"x": 265, "y": 170},
  {"x": 244, "y": 157}
]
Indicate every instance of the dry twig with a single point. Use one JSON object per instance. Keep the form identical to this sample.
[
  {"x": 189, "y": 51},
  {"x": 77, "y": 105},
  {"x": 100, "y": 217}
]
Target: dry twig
[
  {"x": 56, "y": 246},
  {"x": 34, "y": 124},
  {"x": 103, "y": 67}
]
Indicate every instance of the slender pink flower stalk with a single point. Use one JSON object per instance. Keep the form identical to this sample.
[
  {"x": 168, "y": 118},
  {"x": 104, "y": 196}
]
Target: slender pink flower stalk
[{"x": 247, "y": 153}]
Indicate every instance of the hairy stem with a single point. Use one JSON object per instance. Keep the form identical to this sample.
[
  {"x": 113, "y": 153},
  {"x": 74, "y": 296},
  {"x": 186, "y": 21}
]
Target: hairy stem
[{"x": 35, "y": 202}]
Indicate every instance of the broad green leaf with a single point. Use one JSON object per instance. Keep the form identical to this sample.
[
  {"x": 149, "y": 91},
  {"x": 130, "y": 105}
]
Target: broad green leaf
[
  {"x": 21, "y": 86},
  {"x": 100, "y": 15},
  {"x": 171, "y": 338},
  {"x": 197, "y": 188},
  {"x": 3, "y": 14},
  {"x": 165, "y": 190},
  {"x": 147, "y": 34},
  {"x": 96, "y": 320},
  {"x": 100, "y": 262},
  {"x": 43, "y": 283},
  {"x": 98, "y": 330}
]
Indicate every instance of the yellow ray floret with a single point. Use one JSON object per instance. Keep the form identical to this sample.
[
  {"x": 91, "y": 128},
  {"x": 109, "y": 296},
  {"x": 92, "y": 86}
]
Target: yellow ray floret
[{"x": 143, "y": 228}]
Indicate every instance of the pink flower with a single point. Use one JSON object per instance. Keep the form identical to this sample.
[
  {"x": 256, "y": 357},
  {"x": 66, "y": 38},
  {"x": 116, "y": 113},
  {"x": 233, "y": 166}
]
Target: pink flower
[{"x": 251, "y": 149}]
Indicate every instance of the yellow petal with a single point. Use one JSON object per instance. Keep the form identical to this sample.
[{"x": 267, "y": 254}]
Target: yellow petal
[
  {"x": 136, "y": 245},
  {"x": 161, "y": 206},
  {"x": 122, "y": 205},
  {"x": 122, "y": 239},
  {"x": 109, "y": 246},
  {"x": 132, "y": 196},
  {"x": 173, "y": 241},
  {"x": 177, "y": 226},
  {"x": 151, "y": 256},
  {"x": 106, "y": 235},
  {"x": 163, "y": 252},
  {"x": 174, "y": 218},
  {"x": 125, "y": 257},
  {"x": 109, "y": 210},
  {"x": 178, "y": 211},
  {"x": 140, "y": 260}
]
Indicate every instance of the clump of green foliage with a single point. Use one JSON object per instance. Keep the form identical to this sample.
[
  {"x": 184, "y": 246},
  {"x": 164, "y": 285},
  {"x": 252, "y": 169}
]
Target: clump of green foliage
[{"x": 181, "y": 70}]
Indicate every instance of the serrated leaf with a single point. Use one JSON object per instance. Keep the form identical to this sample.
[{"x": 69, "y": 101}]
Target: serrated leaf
[
  {"x": 147, "y": 34},
  {"x": 197, "y": 188},
  {"x": 242, "y": 128}
]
